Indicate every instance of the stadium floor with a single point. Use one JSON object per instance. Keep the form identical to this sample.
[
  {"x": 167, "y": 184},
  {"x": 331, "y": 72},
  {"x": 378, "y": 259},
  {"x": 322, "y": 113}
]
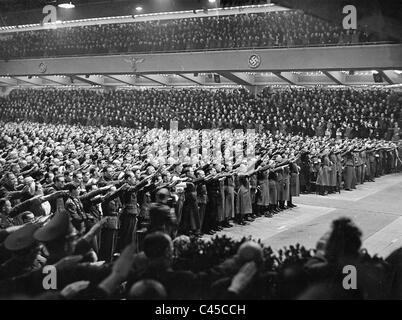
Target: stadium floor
[{"x": 376, "y": 208}]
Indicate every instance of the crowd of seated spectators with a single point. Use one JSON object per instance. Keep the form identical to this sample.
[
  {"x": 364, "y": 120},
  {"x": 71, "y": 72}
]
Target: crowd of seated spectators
[
  {"x": 349, "y": 113},
  {"x": 274, "y": 29}
]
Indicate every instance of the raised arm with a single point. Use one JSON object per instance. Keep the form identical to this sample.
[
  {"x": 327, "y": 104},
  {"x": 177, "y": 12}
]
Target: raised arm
[
  {"x": 54, "y": 195},
  {"x": 24, "y": 206},
  {"x": 94, "y": 193},
  {"x": 112, "y": 195}
]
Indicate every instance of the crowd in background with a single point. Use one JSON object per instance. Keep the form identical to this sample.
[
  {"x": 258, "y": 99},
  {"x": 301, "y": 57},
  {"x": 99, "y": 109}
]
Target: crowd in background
[
  {"x": 258, "y": 30},
  {"x": 346, "y": 113},
  {"x": 92, "y": 186},
  {"x": 78, "y": 197}
]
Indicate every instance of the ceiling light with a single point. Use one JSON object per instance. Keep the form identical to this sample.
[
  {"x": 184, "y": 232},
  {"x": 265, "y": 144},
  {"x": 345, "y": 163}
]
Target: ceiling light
[
  {"x": 66, "y": 5},
  {"x": 139, "y": 8}
]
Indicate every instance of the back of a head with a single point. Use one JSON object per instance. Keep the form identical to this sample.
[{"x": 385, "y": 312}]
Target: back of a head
[
  {"x": 147, "y": 290},
  {"x": 250, "y": 251},
  {"x": 156, "y": 244},
  {"x": 344, "y": 240}
]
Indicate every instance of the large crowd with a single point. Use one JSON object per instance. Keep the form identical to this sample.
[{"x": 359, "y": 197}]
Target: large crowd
[
  {"x": 345, "y": 113},
  {"x": 257, "y": 30},
  {"x": 101, "y": 206},
  {"x": 122, "y": 194}
]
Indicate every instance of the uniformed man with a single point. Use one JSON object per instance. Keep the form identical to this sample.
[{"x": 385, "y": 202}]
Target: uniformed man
[
  {"x": 75, "y": 208},
  {"x": 25, "y": 252},
  {"x": 349, "y": 171},
  {"x": 161, "y": 215}
]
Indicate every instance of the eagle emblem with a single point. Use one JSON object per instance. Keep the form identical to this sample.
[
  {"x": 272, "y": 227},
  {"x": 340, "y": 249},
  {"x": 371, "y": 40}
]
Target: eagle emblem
[{"x": 133, "y": 61}]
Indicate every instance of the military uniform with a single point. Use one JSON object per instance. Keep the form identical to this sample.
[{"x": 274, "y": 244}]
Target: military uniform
[
  {"x": 129, "y": 216},
  {"x": 202, "y": 199},
  {"x": 78, "y": 216},
  {"x": 349, "y": 173},
  {"x": 294, "y": 180},
  {"x": 162, "y": 218},
  {"x": 243, "y": 203},
  {"x": 25, "y": 256},
  {"x": 229, "y": 198},
  {"x": 109, "y": 234},
  {"x": 263, "y": 186},
  {"x": 333, "y": 173}
]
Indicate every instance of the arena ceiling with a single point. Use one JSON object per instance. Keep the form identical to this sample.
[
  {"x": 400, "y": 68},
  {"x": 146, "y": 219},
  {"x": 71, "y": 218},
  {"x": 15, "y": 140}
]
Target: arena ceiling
[
  {"x": 210, "y": 80},
  {"x": 214, "y": 79}
]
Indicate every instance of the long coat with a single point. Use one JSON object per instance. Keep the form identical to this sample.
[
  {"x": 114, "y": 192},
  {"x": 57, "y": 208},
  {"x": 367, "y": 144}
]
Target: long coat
[
  {"x": 304, "y": 174},
  {"x": 323, "y": 175},
  {"x": 358, "y": 168},
  {"x": 339, "y": 169},
  {"x": 333, "y": 172},
  {"x": 190, "y": 215},
  {"x": 253, "y": 187},
  {"x": 294, "y": 185},
  {"x": 273, "y": 188},
  {"x": 229, "y": 198},
  {"x": 263, "y": 199},
  {"x": 280, "y": 186},
  {"x": 326, "y": 175},
  {"x": 221, "y": 200},
  {"x": 319, "y": 176},
  {"x": 286, "y": 182},
  {"x": 294, "y": 181},
  {"x": 243, "y": 201},
  {"x": 349, "y": 173}
]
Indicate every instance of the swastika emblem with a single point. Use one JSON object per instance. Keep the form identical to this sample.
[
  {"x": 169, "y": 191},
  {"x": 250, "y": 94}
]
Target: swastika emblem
[
  {"x": 42, "y": 67},
  {"x": 254, "y": 61}
]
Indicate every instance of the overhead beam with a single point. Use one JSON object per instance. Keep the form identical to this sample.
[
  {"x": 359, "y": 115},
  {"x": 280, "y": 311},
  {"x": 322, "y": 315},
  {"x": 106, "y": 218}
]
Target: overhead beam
[
  {"x": 336, "y": 76},
  {"x": 190, "y": 77},
  {"x": 239, "y": 78},
  {"x": 92, "y": 80},
  {"x": 156, "y": 78},
  {"x": 123, "y": 79},
  {"x": 57, "y": 79},
  {"x": 365, "y": 57},
  {"x": 288, "y": 77},
  {"x": 9, "y": 81},
  {"x": 30, "y": 80},
  {"x": 390, "y": 76}
]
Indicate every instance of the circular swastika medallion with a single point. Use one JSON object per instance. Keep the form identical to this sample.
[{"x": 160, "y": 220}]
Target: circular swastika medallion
[
  {"x": 42, "y": 67},
  {"x": 254, "y": 61}
]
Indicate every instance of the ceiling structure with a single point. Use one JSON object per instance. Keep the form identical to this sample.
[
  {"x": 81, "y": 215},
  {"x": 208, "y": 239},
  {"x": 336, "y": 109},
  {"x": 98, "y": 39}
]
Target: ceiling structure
[
  {"x": 351, "y": 75},
  {"x": 209, "y": 80}
]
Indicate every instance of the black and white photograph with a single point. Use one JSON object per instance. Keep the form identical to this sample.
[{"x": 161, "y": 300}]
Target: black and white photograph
[{"x": 200, "y": 155}]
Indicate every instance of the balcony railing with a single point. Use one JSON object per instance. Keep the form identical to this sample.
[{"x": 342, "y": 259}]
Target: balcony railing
[{"x": 116, "y": 52}]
